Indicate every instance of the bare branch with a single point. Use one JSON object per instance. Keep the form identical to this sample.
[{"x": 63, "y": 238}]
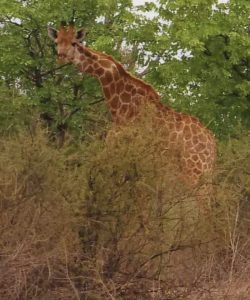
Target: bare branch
[
  {"x": 54, "y": 69},
  {"x": 97, "y": 101}
]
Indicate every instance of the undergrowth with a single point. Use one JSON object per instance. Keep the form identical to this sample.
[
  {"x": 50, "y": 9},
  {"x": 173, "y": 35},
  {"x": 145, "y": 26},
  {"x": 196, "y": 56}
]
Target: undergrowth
[{"x": 109, "y": 219}]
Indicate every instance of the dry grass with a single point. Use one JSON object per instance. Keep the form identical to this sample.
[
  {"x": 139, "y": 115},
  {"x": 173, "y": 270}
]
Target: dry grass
[{"x": 112, "y": 221}]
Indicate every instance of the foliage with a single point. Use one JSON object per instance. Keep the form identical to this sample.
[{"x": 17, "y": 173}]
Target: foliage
[
  {"x": 212, "y": 79},
  {"x": 62, "y": 96},
  {"x": 16, "y": 110},
  {"x": 195, "y": 53}
]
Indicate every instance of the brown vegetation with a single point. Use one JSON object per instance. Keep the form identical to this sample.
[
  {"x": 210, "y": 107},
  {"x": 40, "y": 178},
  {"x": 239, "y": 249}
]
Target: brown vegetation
[{"x": 112, "y": 221}]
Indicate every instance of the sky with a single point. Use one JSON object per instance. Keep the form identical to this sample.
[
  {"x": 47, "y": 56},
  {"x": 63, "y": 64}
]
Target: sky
[{"x": 140, "y": 2}]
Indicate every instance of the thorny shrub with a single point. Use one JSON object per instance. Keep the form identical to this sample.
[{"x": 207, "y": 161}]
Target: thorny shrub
[{"x": 110, "y": 220}]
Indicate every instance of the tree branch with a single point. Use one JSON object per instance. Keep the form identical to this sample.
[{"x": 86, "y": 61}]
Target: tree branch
[
  {"x": 97, "y": 101},
  {"x": 54, "y": 69}
]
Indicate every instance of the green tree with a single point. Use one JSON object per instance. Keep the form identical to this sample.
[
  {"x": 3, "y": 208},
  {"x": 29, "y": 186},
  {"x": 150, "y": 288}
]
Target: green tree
[
  {"x": 194, "y": 52},
  {"x": 205, "y": 46},
  {"x": 59, "y": 94}
]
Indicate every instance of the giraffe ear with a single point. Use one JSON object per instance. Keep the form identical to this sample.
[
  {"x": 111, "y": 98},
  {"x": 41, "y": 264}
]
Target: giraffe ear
[
  {"x": 80, "y": 35},
  {"x": 52, "y": 33}
]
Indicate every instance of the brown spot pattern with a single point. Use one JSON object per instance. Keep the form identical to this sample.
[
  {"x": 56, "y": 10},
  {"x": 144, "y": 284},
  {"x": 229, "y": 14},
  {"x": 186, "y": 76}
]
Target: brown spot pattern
[
  {"x": 125, "y": 97},
  {"x": 99, "y": 72},
  {"x": 125, "y": 94},
  {"x": 105, "y": 63},
  {"x": 115, "y": 103}
]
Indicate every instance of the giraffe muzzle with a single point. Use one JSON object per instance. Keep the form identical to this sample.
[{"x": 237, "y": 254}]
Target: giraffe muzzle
[{"x": 61, "y": 56}]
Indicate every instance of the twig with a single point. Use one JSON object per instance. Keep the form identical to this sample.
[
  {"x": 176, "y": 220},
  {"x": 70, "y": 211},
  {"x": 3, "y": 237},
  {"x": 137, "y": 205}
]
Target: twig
[
  {"x": 54, "y": 69},
  {"x": 70, "y": 114},
  {"x": 234, "y": 241},
  {"x": 171, "y": 249},
  {"x": 97, "y": 101},
  {"x": 10, "y": 21},
  {"x": 105, "y": 287},
  {"x": 67, "y": 274}
]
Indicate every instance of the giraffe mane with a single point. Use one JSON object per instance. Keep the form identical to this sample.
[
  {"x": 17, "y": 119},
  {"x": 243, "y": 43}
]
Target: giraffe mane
[{"x": 120, "y": 68}]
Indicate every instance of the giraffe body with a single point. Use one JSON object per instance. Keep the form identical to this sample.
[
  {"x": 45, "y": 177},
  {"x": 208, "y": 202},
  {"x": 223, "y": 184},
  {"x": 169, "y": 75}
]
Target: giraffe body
[{"x": 125, "y": 95}]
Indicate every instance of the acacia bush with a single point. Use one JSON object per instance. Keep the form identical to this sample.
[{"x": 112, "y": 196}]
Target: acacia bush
[
  {"x": 146, "y": 231},
  {"x": 38, "y": 219},
  {"x": 108, "y": 219}
]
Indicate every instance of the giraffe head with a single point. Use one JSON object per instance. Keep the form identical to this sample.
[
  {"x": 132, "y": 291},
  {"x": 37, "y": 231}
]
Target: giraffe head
[{"x": 66, "y": 39}]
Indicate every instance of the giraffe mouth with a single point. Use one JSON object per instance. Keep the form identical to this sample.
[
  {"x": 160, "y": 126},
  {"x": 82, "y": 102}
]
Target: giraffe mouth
[{"x": 63, "y": 58}]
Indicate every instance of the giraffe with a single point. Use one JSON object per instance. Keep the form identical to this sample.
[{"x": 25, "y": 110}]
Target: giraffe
[{"x": 125, "y": 95}]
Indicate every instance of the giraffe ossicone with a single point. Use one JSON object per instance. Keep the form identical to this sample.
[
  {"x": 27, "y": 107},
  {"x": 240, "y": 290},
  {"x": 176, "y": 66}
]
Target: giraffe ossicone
[{"x": 126, "y": 94}]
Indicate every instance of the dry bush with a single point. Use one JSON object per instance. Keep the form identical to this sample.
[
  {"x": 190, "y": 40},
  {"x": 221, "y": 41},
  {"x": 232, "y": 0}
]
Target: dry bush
[
  {"x": 145, "y": 232},
  {"x": 111, "y": 220},
  {"x": 144, "y": 227},
  {"x": 39, "y": 244},
  {"x": 226, "y": 267}
]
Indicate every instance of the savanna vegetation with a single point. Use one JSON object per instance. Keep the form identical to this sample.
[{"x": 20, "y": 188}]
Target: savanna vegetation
[{"x": 82, "y": 217}]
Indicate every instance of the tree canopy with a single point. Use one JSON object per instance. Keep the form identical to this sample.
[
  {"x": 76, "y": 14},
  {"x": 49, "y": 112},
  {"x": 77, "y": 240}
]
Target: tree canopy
[{"x": 195, "y": 53}]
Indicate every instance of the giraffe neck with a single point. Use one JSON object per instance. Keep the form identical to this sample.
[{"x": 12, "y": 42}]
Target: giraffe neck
[{"x": 123, "y": 92}]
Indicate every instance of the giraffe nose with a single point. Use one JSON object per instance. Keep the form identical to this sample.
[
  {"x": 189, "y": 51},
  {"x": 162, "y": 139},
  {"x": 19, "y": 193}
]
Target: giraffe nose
[{"x": 61, "y": 55}]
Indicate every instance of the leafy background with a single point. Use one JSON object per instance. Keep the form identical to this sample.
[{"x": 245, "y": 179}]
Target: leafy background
[{"x": 195, "y": 53}]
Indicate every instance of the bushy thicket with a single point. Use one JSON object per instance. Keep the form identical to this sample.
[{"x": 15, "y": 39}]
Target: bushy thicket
[
  {"x": 39, "y": 218},
  {"x": 110, "y": 220}
]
